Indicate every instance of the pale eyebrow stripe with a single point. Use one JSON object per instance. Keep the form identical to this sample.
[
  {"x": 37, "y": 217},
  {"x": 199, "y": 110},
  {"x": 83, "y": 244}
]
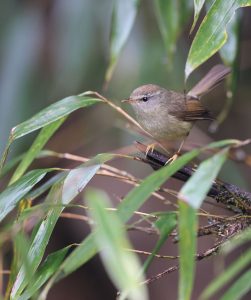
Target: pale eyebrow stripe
[{"x": 147, "y": 95}]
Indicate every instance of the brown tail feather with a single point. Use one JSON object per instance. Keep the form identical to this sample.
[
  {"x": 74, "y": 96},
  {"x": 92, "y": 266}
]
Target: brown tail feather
[{"x": 215, "y": 76}]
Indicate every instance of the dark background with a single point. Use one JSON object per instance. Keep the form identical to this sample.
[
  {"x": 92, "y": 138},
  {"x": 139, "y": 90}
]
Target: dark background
[{"x": 53, "y": 49}]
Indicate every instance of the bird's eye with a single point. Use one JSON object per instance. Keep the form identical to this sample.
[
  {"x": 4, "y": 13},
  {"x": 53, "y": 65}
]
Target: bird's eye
[{"x": 144, "y": 98}]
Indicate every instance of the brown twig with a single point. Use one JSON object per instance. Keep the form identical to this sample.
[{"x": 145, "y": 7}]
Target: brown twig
[
  {"x": 205, "y": 254},
  {"x": 228, "y": 194}
]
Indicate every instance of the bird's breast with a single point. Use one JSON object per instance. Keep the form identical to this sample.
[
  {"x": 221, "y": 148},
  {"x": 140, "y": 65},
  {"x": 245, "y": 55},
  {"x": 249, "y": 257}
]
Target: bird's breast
[{"x": 165, "y": 126}]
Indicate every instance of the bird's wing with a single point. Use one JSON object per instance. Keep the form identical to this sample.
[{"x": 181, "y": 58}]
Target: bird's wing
[{"x": 193, "y": 110}]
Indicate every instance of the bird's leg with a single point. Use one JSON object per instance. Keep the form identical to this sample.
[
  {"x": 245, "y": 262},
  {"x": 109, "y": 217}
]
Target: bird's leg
[
  {"x": 150, "y": 148},
  {"x": 177, "y": 154}
]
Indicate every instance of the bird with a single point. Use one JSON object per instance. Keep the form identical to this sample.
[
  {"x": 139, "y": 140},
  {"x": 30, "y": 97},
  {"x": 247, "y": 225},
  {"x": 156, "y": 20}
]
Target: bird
[{"x": 167, "y": 115}]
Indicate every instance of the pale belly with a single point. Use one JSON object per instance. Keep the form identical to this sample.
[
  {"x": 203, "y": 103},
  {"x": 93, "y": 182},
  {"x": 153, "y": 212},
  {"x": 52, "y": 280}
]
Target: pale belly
[{"x": 167, "y": 129}]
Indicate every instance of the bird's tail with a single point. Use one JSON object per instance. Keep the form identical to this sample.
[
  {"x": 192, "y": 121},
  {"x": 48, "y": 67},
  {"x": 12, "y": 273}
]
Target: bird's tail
[{"x": 215, "y": 76}]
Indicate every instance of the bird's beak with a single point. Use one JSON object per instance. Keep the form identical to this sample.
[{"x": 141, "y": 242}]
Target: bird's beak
[{"x": 129, "y": 100}]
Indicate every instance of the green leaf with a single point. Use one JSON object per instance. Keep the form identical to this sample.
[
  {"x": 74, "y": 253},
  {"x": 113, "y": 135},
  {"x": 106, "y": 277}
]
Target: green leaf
[
  {"x": 110, "y": 236},
  {"x": 229, "y": 54},
  {"x": 212, "y": 34},
  {"x": 191, "y": 197},
  {"x": 10, "y": 165},
  {"x": 229, "y": 51},
  {"x": 196, "y": 188},
  {"x": 198, "y": 4},
  {"x": 187, "y": 227},
  {"x": 227, "y": 275},
  {"x": 165, "y": 225},
  {"x": 123, "y": 16},
  {"x": 13, "y": 194},
  {"x": 137, "y": 196},
  {"x": 46, "y": 116},
  {"x": 49, "y": 267},
  {"x": 14, "y": 161},
  {"x": 36, "y": 147},
  {"x": 82, "y": 254},
  {"x": 60, "y": 196},
  {"x": 239, "y": 288},
  {"x": 126, "y": 208},
  {"x": 36, "y": 192},
  {"x": 40, "y": 241},
  {"x": 171, "y": 16},
  {"x": 78, "y": 178},
  {"x": 52, "y": 113}
]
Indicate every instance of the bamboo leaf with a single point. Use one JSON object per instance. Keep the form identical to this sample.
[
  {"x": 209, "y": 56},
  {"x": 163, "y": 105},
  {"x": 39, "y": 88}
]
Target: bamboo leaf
[
  {"x": 227, "y": 275},
  {"x": 171, "y": 16},
  {"x": 13, "y": 194},
  {"x": 165, "y": 224},
  {"x": 187, "y": 227},
  {"x": 49, "y": 267},
  {"x": 197, "y": 187},
  {"x": 110, "y": 236},
  {"x": 239, "y": 288},
  {"x": 123, "y": 16},
  {"x": 212, "y": 34},
  {"x": 52, "y": 113},
  {"x": 60, "y": 196},
  {"x": 198, "y": 4},
  {"x": 40, "y": 241},
  {"x": 191, "y": 197},
  {"x": 36, "y": 147}
]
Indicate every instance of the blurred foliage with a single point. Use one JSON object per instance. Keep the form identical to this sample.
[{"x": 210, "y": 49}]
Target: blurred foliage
[{"x": 52, "y": 49}]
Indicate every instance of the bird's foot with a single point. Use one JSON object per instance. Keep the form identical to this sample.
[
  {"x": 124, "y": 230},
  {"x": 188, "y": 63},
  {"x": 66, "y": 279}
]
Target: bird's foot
[
  {"x": 150, "y": 148},
  {"x": 172, "y": 159}
]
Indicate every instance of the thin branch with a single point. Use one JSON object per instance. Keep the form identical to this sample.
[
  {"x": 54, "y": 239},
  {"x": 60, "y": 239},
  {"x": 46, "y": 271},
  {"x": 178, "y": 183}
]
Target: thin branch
[
  {"x": 228, "y": 194},
  {"x": 155, "y": 255},
  {"x": 205, "y": 254}
]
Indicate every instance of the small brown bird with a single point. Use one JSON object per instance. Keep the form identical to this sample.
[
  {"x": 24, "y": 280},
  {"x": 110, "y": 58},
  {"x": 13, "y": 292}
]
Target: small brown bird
[{"x": 168, "y": 115}]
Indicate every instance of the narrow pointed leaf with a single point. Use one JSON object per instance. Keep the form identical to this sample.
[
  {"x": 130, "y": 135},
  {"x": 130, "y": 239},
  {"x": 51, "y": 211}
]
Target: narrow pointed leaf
[
  {"x": 40, "y": 241},
  {"x": 236, "y": 267},
  {"x": 82, "y": 254},
  {"x": 137, "y": 196},
  {"x": 52, "y": 113},
  {"x": 13, "y": 194},
  {"x": 36, "y": 147},
  {"x": 229, "y": 54},
  {"x": 10, "y": 165},
  {"x": 123, "y": 16},
  {"x": 229, "y": 51},
  {"x": 196, "y": 188},
  {"x": 78, "y": 178},
  {"x": 171, "y": 16},
  {"x": 110, "y": 236},
  {"x": 187, "y": 227},
  {"x": 49, "y": 267},
  {"x": 239, "y": 288},
  {"x": 198, "y": 4},
  {"x": 191, "y": 197},
  {"x": 165, "y": 225},
  {"x": 61, "y": 194},
  {"x": 212, "y": 34},
  {"x": 46, "y": 116}
]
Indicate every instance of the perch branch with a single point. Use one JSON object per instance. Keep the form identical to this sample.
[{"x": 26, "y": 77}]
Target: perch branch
[{"x": 228, "y": 194}]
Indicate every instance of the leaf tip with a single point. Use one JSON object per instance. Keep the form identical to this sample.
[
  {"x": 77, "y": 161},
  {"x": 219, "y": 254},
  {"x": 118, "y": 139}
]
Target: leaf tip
[{"x": 188, "y": 70}]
